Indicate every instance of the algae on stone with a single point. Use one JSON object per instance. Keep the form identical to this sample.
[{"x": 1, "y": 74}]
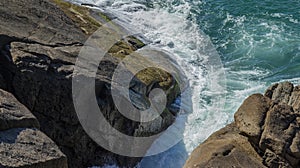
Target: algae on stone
[{"x": 80, "y": 15}]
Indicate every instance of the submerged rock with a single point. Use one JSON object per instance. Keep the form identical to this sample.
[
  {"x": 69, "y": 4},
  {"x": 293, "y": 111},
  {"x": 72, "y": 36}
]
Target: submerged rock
[{"x": 265, "y": 133}]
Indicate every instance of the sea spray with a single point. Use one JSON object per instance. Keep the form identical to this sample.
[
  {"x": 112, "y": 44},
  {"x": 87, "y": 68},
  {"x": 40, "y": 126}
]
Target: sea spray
[{"x": 258, "y": 44}]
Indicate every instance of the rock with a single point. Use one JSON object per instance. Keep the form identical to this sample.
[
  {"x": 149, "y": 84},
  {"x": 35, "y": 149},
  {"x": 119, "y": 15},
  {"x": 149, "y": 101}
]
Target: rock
[
  {"x": 273, "y": 160},
  {"x": 250, "y": 116},
  {"x": 21, "y": 144},
  {"x": 36, "y": 21},
  {"x": 280, "y": 92},
  {"x": 13, "y": 114},
  {"x": 265, "y": 133},
  {"x": 295, "y": 99},
  {"x": 45, "y": 37},
  {"x": 295, "y": 146},
  {"x": 2, "y": 82},
  {"x": 29, "y": 148},
  {"x": 225, "y": 148},
  {"x": 279, "y": 128},
  {"x": 171, "y": 44}
]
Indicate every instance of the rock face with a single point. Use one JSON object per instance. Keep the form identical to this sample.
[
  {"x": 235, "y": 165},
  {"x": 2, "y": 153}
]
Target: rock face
[
  {"x": 13, "y": 114},
  {"x": 29, "y": 148},
  {"x": 265, "y": 133},
  {"x": 39, "y": 43},
  {"x": 21, "y": 143}
]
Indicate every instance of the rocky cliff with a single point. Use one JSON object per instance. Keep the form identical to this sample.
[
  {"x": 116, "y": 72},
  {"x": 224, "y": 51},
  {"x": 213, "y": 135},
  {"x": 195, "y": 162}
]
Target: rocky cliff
[
  {"x": 21, "y": 143},
  {"x": 39, "y": 43},
  {"x": 265, "y": 133}
]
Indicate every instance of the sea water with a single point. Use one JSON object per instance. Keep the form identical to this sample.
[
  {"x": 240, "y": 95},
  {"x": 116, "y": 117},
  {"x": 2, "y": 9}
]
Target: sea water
[{"x": 257, "y": 42}]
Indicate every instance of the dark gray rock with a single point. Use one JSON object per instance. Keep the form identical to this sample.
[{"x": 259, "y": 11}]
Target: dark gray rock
[
  {"x": 13, "y": 114},
  {"x": 2, "y": 82},
  {"x": 29, "y": 148},
  {"x": 45, "y": 37},
  {"x": 21, "y": 144},
  {"x": 36, "y": 21}
]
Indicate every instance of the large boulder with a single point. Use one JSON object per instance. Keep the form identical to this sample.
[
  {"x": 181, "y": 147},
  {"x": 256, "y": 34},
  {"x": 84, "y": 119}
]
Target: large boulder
[
  {"x": 265, "y": 133},
  {"x": 225, "y": 148},
  {"x": 39, "y": 42},
  {"x": 29, "y": 148},
  {"x": 250, "y": 116},
  {"x": 21, "y": 143},
  {"x": 13, "y": 114}
]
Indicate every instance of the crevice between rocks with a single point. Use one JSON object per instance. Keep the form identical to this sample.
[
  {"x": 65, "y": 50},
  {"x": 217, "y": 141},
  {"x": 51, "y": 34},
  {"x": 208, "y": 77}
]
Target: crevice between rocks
[{"x": 6, "y": 40}]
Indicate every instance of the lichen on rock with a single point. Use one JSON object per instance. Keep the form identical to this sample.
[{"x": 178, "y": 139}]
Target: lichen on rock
[{"x": 44, "y": 39}]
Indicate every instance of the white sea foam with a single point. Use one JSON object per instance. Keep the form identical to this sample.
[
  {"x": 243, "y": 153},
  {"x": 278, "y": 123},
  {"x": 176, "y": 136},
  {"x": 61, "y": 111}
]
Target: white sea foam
[
  {"x": 193, "y": 51},
  {"x": 169, "y": 29}
]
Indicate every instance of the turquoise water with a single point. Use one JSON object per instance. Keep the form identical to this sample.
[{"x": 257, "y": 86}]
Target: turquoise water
[
  {"x": 257, "y": 42},
  {"x": 255, "y": 35}
]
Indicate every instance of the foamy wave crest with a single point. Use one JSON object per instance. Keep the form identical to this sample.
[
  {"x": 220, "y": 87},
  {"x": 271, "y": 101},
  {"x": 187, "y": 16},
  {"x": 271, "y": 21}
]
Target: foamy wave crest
[{"x": 170, "y": 28}]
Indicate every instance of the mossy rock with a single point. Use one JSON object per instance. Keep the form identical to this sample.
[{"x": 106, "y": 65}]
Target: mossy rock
[
  {"x": 85, "y": 19},
  {"x": 80, "y": 15}
]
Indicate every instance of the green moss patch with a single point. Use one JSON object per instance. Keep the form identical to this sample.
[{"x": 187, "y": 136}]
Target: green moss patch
[{"x": 83, "y": 18}]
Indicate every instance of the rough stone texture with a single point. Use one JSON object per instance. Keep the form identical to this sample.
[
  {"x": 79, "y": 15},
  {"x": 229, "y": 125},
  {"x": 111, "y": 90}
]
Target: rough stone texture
[
  {"x": 280, "y": 92},
  {"x": 279, "y": 128},
  {"x": 36, "y": 21},
  {"x": 225, "y": 148},
  {"x": 295, "y": 99},
  {"x": 13, "y": 114},
  {"x": 295, "y": 146},
  {"x": 29, "y": 148},
  {"x": 266, "y": 133},
  {"x": 21, "y": 144},
  {"x": 39, "y": 43},
  {"x": 250, "y": 116}
]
